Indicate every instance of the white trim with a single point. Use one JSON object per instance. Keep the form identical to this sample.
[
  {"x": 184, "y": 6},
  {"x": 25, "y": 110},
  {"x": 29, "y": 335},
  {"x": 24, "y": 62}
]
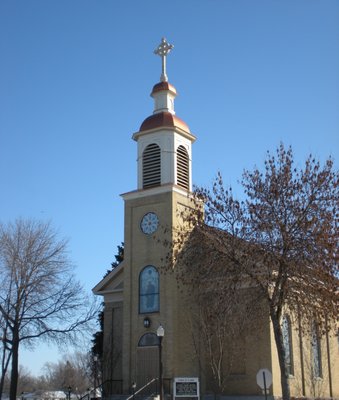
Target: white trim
[
  {"x": 109, "y": 277},
  {"x": 103, "y": 292},
  {"x": 186, "y": 134},
  {"x": 137, "y": 194}
]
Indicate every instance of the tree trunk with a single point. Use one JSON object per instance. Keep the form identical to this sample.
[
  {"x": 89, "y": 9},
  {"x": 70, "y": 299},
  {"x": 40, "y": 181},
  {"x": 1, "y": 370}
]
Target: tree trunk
[
  {"x": 2, "y": 381},
  {"x": 285, "y": 386},
  {"x": 15, "y": 365},
  {"x": 4, "y": 368},
  {"x": 3, "y": 373}
]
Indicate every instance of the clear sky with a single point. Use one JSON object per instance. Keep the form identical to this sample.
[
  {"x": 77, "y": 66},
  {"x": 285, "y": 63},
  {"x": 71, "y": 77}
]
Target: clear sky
[{"x": 75, "y": 79}]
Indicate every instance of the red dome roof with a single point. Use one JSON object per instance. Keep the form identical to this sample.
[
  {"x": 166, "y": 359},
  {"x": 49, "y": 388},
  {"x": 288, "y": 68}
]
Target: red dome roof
[
  {"x": 163, "y": 86},
  {"x": 163, "y": 119}
]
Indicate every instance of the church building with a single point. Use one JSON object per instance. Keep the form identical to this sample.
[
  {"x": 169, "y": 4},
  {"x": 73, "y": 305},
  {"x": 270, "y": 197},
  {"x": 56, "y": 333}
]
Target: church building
[{"x": 145, "y": 312}]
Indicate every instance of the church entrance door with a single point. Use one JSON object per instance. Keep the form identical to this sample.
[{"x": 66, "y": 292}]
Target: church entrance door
[
  {"x": 147, "y": 366},
  {"x": 147, "y": 360}
]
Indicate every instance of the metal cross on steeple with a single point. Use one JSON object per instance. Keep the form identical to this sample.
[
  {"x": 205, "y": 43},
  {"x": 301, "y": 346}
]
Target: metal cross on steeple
[{"x": 162, "y": 50}]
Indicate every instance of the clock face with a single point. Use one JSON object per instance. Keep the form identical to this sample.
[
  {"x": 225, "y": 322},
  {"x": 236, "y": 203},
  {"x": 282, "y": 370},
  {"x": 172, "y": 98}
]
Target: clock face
[{"x": 149, "y": 223}]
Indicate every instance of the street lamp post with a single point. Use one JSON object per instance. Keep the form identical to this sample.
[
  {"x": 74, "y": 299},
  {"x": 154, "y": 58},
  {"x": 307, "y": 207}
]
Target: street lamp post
[
  {"x": 160, "y": 334},
  {"x": 69, "y": 392},
  {"x": 134, "y": 385}
]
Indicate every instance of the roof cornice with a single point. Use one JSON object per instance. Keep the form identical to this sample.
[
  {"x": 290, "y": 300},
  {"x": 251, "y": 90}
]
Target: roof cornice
[
  {"x": 98, "y": 287},
  {"x": 136, "y": 194}
]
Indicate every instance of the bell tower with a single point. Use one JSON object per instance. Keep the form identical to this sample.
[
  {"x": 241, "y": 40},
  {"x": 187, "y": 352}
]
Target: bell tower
[
  {"x": 164, "y": 158},
  {"x": 138, "y": 296},
  {"x": 164, "y": 140}
]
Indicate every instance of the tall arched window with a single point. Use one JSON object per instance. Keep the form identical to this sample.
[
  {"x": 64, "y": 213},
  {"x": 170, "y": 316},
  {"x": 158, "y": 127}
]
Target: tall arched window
[
  {"x": 316, "y": 352},
  {"x": 287, "y": 340},
  {"x": 183, "y": 167},
  {"x": 149, "y": 290},
  {"x": 151, "y": 166}
]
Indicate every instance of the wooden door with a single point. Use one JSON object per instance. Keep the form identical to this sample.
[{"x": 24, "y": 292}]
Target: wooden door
[{"x": 147, "y": 365}]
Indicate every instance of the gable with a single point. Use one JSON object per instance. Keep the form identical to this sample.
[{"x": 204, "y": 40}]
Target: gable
[{"x": 112, "y": 283}]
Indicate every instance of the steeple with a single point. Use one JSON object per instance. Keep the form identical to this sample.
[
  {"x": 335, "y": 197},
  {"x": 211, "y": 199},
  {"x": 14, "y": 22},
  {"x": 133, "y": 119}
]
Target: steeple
[{"x": 164, "y": 140}]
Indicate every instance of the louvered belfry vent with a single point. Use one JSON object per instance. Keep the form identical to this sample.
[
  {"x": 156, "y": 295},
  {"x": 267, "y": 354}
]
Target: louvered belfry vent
[
  {"x": 183, "y": 168},
  {"x": 151, "y": 166}
]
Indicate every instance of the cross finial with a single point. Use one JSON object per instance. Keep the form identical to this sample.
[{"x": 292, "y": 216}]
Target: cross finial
[{"x": 162, "y": 50}]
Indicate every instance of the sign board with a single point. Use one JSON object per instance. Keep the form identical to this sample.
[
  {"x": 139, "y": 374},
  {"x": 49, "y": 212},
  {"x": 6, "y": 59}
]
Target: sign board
[
  {"x": 186, "y": 387},
  {"x": 264, "y": 378}
]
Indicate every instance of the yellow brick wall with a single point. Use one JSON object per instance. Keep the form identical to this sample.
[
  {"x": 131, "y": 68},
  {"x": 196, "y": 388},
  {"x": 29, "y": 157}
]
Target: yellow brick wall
[{"x": 257, "y": 349}]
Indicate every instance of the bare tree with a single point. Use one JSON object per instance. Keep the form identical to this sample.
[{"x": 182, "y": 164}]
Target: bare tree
[
  {"x": 74, "y": 371},
  {"x": 26, "y": 381},
  {"x": 224, "y": 306},
  {"x": 5, "y": 349},
  {"x": 219, "y": 323},
  {"x": 40, "y": 299},
  {"x": 282, "y": 239}
]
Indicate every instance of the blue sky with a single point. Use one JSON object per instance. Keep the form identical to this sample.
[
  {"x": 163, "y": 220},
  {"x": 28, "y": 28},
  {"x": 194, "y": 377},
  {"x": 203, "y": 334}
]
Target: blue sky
[{"x": 75, "y": 79}]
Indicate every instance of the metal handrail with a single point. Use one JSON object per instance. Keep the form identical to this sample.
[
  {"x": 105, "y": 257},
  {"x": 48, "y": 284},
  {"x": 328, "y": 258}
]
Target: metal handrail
[{"x": 141, "y": 389}]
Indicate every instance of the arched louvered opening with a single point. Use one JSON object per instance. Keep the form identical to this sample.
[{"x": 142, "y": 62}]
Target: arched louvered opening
[
  {"x": 151, "y": 166},
  {"x": 183, "y": 168}
]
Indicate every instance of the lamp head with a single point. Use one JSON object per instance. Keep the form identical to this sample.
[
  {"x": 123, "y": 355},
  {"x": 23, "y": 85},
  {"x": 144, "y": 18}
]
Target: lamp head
[{"x": 160, "y": 331}]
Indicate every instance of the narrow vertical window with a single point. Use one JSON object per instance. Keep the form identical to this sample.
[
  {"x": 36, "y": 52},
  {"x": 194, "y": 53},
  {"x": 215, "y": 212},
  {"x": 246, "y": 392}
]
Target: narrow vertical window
[
  {"x": 149, "y": 290},
  {"x": 316, "y": 352},
  {"x": 183, "y": 167},
  {"x": 151, "y": 166},
  {"x": 287, "y": 341}
]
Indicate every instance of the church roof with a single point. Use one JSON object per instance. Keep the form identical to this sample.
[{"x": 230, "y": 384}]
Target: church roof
[
  {"x": 159, "y": 87},
  {"x": 163, "y": 119},
  {"x": 111, "y": 282}
]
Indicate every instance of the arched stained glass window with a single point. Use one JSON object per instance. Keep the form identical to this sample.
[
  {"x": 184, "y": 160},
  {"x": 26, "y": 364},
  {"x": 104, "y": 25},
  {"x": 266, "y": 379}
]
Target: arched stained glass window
[
  {"x": 287, "y": 340},
  {"x": 149, "y": 290},
  {"x": 316, "y": 352},
  {"x": 148, "y": 339}
]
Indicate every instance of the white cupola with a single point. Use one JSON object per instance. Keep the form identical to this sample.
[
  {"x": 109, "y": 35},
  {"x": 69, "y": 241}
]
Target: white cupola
[
  {"x": 164, "y": 140},
  {"x": 164, "y": 94}
]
